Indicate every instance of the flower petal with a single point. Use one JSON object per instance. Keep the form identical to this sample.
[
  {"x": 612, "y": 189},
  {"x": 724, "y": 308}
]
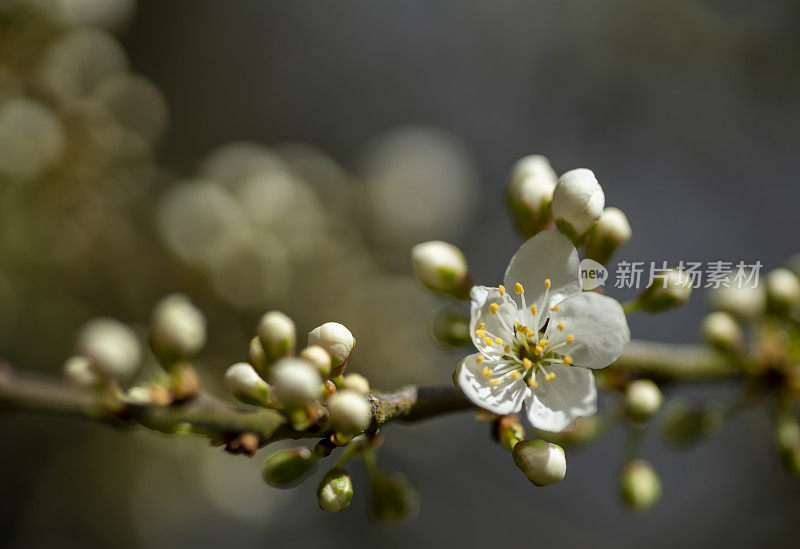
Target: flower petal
[
  {"x": 505, "y": 398},
  {"x": 555, "y": 404},
  {"x": 496, "y": 324},
  {"x": 551, "y": 255},
  {"x": 598, "y": 324}
]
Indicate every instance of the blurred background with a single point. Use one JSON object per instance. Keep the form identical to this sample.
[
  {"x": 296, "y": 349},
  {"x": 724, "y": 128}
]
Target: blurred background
[{"x": 261, "y": 154}]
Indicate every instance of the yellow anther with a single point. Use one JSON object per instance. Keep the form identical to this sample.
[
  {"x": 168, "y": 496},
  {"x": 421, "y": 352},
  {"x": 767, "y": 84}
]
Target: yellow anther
[
  {"x": 555, "y": 308},
  {"x": 529, "y": 332},
  {"x": 498, "y": 340},
  {"x": 560, "y": 326},
  {"x": 567, "y": 360},
  {"x": 482, "y": 325},
  {"x": 480, "y": 359},
  {"x": 518, "y": 288},
  {"x": 570, "y": 338},
  {"x": 547, "y": 283},
  {"x": 533, "y": 309},
  {"x": 543, "y": 342},
  {"x": 494, "y": 307},
  {"x": 502, "y": 289},
  {"x": 507, "y": 349},
  {"x": 487, "y": 372},
  {"x": 480, "y": 332},
  {"x": 527, "y": 363},
  {"x": 532, "y": 383},
  {"x": 538, "y": 350},
  {"x": 494, "y": 382},
  {"x": 516, "y": 375},
  {"x": 517, "y": 325},
  {"x": 550, "y": 377},
  {"x": 488, "y": 340}
]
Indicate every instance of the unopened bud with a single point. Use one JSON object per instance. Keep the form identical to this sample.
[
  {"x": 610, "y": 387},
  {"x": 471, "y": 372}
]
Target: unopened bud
[
  {"x": 642, "y": 399},
  {"x": 355, "y": 382},
  {"x": 78, "y": 372},
  {"x": 742, "y": 302},
  {"x": 184, "y": 381},
  {"x": 256, "y": 356},
  {"x": 295, "y": 382},
  {"x": 178, "y": 328},
  {"x": 277, "y": 334},
  {"x": 451, "y": 328},
  {"x": 246, "y": 385},
  {"x": 111, "y": 347},
  {"x": 335, "y": 492},
  {"x": 667, "y": 292},
  {"x": 319, "y": 358},
  {"x": 510, "y": 431},
  {"x": 337, "y": 340},
  {"x": 440, "y": 266},
  {"x": 393, "y": 497},
  {"x": 544, "y": 463},
  {"x": 721, "y": 331},
  {"x": 578, "y": 202},
  {"x": 640, "y": 485},
  {"x": 685, "y": 425},
  {"x": 783, "y": 291},
  {"x": 530, "y": 193},
  {"x": 286, "y": 468},
  {"x": 149, "y": 395},
  {"x": 350, "y": 412},
  {"x": 611, "y": 232}
]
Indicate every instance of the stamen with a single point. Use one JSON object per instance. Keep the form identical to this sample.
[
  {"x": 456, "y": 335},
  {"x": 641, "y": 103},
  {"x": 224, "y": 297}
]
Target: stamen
[
  {"x": 498, "y": 340},
  {"x": 494, "y": 382},
  {"x": 494, "y": 307},
  {"x": 480, "y": 359},
  {"x": 502, "y": 289},
  {"x": 550, "y": 377},
  {"x": 486, "y": 372},
  {"x": 560, "y": 326},
  {"x": 518, "y": 288},
  {"x": 567, "y": 360},
  {"x": 570, "y": 338},
  {"x": 515, "y": 374},
  {"x": 546, "y": 283},
  {"x": 533, "y": 310},
  {"x": 488, "y": 340},
  {"x": 543, "y": 342},
  {"x": 481, "y": 325},
  {"x": 480, "y": 332},
  {"x": 538, "y": 350},
  {"x": 555, "y": 308},
  {"x": 507, "y": 349},
  {"x": 527, "y": 363},
  {"x": 532, "y": 383}
]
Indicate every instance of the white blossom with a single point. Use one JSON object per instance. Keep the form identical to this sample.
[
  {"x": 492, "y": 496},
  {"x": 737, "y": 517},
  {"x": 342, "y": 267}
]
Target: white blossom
[{"x": 539, "y": 346}]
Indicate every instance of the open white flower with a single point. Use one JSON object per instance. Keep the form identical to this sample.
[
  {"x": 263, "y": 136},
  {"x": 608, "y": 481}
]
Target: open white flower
[{"x": 538, "y": 346}]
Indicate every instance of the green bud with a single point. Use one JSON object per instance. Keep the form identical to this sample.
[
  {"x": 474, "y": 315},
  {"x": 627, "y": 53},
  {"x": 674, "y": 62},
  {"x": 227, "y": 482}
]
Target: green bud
[
  {"x": 721, "y": 331},
  {"x": 668, "y": 292},
  {"x": 277, "y": 334},
  {"x": 451, "y": 329},
  {"x": 684, "y": 425},
  {"x": 286, "y": 468},
  {"x": 640, "y": 485},
  {"x": 544, "y": 463},
  {"x": 335, "y": 492},
  {"x": 642, "y": 399},
  {"x": 393, "y": 497},
  {"x": 611, "y": 231},
  {"x": 510, "y": 431}
]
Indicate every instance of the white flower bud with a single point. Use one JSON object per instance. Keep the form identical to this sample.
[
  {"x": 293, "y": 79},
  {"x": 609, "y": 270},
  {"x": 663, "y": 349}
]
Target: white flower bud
[
  {"x": 355, "y": 382},
  {"x": 277, "y": 334},
  {"x": 78, "y": 372},
  {"x": 317, "y": 357},
  {"x": 542, "y": 462},
  {"x": 334, "y": 338},
  {"x": 640, "y": 485},
  {"x": 642, "y": 399},
  {"x": 178, "y": 328},
  {"x": 243, "y": 381},
  {"x": 722, "y": 331},
  {"x": 667, "y": 292},
  {"x": 256, "y": 356},
  {"x": 295, "y": 382},
  {"x": 744, "y": 302},
  {"x": 530, "y": 192},
  {"x": 578, "y": 201},
  {"x": 350, "y": 412},
  {"x": 335, "y": 492},
  {"x": 439, "y": 266},
  {"x": 112, "y": 348},
  {"x": 783, "y": 290},
  {"x": 611, "y": 232}
]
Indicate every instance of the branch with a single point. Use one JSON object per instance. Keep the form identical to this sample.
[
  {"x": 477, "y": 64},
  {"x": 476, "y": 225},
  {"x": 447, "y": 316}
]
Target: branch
[{"x": 207, "y": 416}]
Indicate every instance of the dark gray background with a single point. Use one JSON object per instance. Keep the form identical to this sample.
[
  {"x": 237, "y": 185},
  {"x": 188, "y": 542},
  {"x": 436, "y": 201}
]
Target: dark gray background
[{"x": 686, "y": 110}]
